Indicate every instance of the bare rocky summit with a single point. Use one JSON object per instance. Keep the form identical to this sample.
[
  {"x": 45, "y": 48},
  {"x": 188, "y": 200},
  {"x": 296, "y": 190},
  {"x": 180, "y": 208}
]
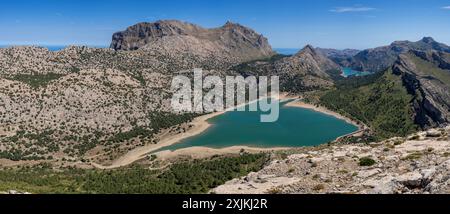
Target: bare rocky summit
[
  {"x": 417, "y": 164},
  {"x": 231, "y": 42},
  {"x": 82, "y": 105},
  {"x": 93, "y": 104},
  {"x": 307, "y": 70},
  {"x": 309, "y": 62}
]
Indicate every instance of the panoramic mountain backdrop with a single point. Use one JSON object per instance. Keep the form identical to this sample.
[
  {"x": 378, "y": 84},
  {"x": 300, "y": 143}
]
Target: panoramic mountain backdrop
[{"x": 88, "y": 107}]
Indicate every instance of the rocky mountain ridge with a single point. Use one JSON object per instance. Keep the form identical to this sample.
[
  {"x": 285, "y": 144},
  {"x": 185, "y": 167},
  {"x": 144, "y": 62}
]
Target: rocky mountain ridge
[
  {"x": 338, "y": 56},
  {"x": 426, "y": 75},
  {"x": 232, "y": 40},
  {"x": 306, "y": 70},
  {"x": 84, "y": 103},
  {"x": 79, "y": 100},
  {"x": 380, "y": 58}
]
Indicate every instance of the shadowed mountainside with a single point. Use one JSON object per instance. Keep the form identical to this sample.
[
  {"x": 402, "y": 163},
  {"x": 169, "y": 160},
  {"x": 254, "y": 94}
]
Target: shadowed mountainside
[
  {"x": 380, "y": 58},
  {"x": 412, "y": 93}
]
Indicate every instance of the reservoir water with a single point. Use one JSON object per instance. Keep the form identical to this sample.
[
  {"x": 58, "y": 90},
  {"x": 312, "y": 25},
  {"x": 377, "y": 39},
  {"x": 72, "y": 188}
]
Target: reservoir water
[
  {"x": 347, "y": 72},
  {"x": 296, "y": 127},
  {"x": 287, "y": 51}
]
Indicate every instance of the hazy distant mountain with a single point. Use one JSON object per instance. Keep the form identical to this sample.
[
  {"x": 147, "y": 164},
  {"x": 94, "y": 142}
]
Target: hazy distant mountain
[
  {"x": 378, "y": 59},
  {"x": 231, "y": 42},
  {"x": 338, "y": 56}
]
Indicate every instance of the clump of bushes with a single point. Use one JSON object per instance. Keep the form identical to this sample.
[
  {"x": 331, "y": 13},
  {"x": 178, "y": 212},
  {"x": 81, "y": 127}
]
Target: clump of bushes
[{"x": 366, "y": 161}]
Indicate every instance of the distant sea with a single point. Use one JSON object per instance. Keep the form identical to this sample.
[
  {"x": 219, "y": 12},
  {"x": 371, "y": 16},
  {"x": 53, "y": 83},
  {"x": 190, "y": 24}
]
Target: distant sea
[
  {"x": 51, "y": 47},
  {"x": 287, "y": 51}
]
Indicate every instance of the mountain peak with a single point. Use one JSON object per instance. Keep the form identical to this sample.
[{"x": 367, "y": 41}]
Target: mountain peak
[
  {"x": 428, "y": 40},
  {"x": 308, "y": 49},
  {"x": 230, "y": 24},
  {"x": 308, "y": 46},
  {"x": 231, "y": 41}
]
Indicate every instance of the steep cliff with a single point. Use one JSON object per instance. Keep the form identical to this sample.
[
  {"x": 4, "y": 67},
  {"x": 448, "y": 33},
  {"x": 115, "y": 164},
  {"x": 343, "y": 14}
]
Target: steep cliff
[
  {"x": 338, "y": 56},
  {"x": 305, "y": 71},
  {"x": 412, "y": 94},
  {"x": 426, "y": 75},
  {"x": 379, "y": 59},
  {"x": 231, "y": 42}
]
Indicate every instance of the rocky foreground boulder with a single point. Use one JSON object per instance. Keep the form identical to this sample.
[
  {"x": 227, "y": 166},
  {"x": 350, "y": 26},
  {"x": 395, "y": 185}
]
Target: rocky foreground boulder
[{"x": 417, "y": 164}]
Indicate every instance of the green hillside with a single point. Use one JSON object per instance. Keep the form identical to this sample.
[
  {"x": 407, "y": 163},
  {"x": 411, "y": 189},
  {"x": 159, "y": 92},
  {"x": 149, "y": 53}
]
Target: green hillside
[
  {"x": 196, "y": 176},
  {"x": 429, "y": 69},
  {"x": 382, "y": 103}
]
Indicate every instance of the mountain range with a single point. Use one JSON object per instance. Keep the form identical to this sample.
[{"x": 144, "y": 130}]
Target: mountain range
[
  {"x": 95, "y": 104},
  {"x": 231, "y": 41},
  {"x": 380, "y": 58}
]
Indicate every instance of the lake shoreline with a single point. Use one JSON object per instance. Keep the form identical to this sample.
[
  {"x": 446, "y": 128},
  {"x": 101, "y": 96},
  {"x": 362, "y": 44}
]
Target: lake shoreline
[
  {"x": 361, "y": 127},
  {"x": 293, "y": 102},
  {"x": 301, "y": 104},
  {"x": 198, "y": 152},
  {"x": 200, "y": 124}
]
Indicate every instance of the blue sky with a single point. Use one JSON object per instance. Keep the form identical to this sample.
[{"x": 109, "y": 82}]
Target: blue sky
[{"x": 287, "y": 23}]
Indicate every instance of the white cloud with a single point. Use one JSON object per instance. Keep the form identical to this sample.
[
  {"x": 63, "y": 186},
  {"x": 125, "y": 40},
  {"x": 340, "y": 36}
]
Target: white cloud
[
  {"x": 446, "y": 8},
  {"x": 351, "y": 9}
]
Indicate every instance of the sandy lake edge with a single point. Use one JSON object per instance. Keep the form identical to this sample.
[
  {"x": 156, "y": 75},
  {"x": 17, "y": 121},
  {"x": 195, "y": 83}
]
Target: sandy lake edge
[{"x": 201, "y": 124}]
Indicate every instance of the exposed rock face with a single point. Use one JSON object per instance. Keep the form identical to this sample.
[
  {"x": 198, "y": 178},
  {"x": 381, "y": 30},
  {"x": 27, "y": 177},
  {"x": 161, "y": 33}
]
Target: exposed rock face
[
  {"x": 401, "y": 166},
  {"x": 379, "y": 59},
  {"x": 104, "y": 95},
  {"x": 308, "y": 68},
  {"x": 440, "y": 59},
  {"x": 426, "y": 75},
  {"x": 141, "y": 34},
  {"x": 84, "y": 93},
  {"x": 338, "y": 56},
  {"x": 309, "y": 62},
  {"x": 305, "y": 71},
  {"x": 230, "y": 42}
]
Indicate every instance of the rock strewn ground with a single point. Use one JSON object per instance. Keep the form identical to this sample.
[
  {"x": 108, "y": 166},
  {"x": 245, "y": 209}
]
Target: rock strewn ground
[
  {"x": 60, "y": 105},
  {"x": 417, "y": 164}
]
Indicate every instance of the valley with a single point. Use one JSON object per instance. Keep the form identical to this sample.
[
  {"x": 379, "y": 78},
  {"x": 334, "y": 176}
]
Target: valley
[{"x": 104, "y": 114}]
